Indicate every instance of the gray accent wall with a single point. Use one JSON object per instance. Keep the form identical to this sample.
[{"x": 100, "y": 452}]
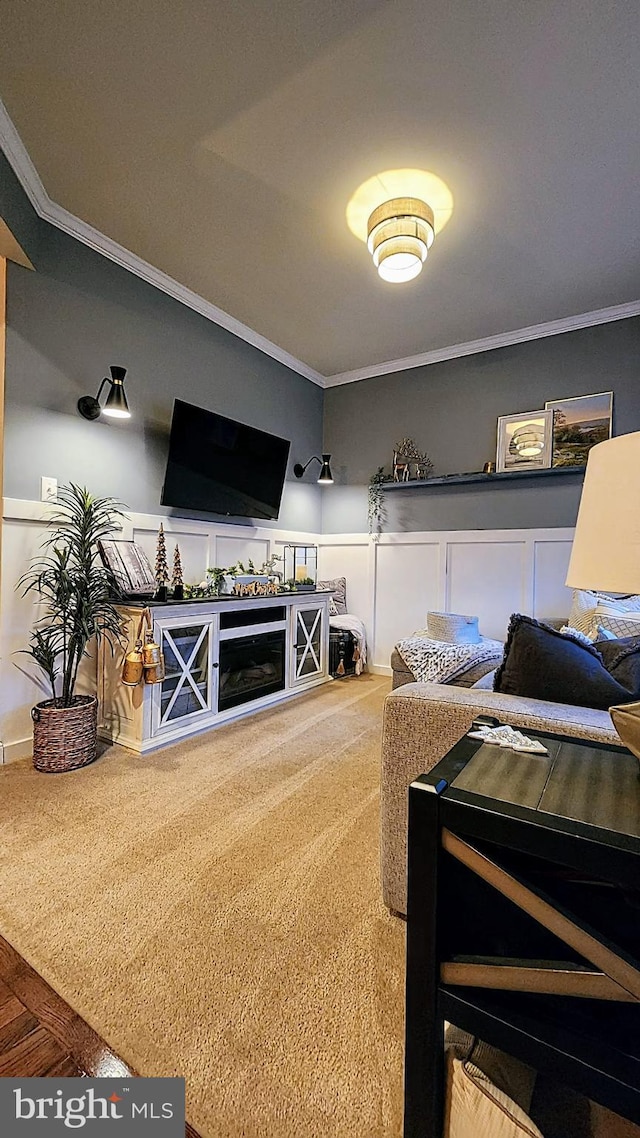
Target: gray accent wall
[
  {"x": 451, "y": 409},
  {"x": 16, "y": 210},
  {"x": 79, "y": 313}
]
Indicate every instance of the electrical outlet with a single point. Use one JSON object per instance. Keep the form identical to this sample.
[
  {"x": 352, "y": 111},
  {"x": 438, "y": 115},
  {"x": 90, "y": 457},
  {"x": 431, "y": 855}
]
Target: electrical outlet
[{"x": 48, "y": 489}]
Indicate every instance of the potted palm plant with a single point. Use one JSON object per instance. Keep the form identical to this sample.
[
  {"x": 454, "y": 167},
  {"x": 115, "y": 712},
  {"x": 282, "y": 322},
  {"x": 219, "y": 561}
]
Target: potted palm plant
[{"x": 77, "y": 594}]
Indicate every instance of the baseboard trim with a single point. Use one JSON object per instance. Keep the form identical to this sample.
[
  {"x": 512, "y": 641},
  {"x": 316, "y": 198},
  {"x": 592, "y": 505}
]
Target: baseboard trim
[{"x": 20, "y": 749}]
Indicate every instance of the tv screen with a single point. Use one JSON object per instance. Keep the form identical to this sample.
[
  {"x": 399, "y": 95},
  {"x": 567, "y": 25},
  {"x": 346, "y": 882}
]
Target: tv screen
[{"x": 223, "y": 467}]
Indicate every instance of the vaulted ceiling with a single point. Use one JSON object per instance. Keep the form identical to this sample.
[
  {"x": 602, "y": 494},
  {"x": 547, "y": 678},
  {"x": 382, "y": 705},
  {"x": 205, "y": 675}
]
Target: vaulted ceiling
[{"x": 221, "y": 142}]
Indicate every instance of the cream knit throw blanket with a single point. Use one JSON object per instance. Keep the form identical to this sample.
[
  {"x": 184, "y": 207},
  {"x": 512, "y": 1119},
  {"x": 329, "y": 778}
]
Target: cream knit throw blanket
[{"x": 435, "y": 662}]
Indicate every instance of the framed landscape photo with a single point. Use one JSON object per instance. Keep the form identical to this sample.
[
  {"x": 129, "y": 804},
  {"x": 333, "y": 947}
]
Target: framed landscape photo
[
  {"x": 524, "y": 441},
  {"x": 578, "y": 424}
]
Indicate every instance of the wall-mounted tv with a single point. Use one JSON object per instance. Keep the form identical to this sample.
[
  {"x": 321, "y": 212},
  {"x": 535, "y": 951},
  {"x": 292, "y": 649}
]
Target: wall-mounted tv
[{"x": 223, "y": 467}]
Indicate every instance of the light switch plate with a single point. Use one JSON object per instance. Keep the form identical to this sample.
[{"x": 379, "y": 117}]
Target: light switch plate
[{"x": 48, "y": 489}]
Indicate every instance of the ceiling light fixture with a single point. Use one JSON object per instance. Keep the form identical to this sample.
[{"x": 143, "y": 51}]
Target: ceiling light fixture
[
  {"x": 400, "y": 233},
  {"x": 325, "y": 476},
  {"x": 116, "y": 405}
]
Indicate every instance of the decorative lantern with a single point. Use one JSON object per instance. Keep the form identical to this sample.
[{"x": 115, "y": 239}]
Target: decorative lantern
[{"x": 301, "y": 566}]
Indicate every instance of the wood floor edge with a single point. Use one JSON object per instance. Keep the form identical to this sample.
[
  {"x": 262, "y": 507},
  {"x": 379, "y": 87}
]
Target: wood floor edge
[{"x": 44, "y": 1036}]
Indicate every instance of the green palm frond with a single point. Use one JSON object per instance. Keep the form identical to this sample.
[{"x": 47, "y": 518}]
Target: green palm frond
[{"x": 75, "y": 590}]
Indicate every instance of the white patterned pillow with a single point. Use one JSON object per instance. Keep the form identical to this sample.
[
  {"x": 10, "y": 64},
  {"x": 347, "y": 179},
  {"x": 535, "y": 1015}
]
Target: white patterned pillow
[
  {"x": 588, "y": 607},
  {"x": 620, "y": 626},
  {"x": 583, "y": 606},
  {"x": 630, "y": 604},
  {"x": 338, "y": 585}
]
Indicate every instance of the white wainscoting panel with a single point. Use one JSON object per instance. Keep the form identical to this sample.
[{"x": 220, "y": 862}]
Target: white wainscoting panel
[
  {"x": 489, "y": 580},
  {"x": 353, "y": 561},
  {"x": 484, "y": 573},
  {"x": 229, "y": 549},
  {"x": 391, "y": 583},
  {"x": 18, "y": 690},
  {"x": 194, "y": 548},
  {"x": 408, "y": 584},
  {"x": 551, "y": 597}
]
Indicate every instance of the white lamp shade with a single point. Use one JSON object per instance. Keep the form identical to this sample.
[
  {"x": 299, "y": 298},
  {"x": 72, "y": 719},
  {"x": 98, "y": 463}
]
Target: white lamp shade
[
  {"x": 400, "y": 231},
  {"x": 606, "y": 546}
]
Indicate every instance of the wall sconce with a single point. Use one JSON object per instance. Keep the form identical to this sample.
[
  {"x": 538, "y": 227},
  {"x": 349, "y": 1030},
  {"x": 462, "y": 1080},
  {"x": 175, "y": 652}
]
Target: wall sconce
[
  {"x": 325, "y": 476},
  {"x": 116, "y": 402}
]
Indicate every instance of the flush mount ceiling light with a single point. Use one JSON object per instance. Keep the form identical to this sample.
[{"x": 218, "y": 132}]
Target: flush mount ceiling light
[
  {"x": 400, "y": 233},
  {"x": 115, "y": 406},
  {"x": 325, "y": 476},
  {"x": 416, "y": 194}
]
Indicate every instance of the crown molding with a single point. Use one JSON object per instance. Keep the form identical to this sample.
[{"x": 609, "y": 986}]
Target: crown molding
[
  {"x": 489, "y": 343},
  {"x": 57, "y": 215},
  {"x": 48, "y": 210}
]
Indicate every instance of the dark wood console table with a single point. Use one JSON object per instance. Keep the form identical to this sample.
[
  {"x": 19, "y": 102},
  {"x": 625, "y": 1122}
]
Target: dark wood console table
[{"x": 524, "y": 918}]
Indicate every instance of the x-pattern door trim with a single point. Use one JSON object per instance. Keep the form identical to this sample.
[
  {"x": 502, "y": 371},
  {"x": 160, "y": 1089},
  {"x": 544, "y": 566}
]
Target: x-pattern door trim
[
  {"x": 185, "y": 669},
  {"x": 308, "y": 648}
]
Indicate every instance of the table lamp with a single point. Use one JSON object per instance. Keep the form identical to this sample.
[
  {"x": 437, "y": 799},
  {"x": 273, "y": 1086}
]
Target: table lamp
[{"x": 606, "y": 547}]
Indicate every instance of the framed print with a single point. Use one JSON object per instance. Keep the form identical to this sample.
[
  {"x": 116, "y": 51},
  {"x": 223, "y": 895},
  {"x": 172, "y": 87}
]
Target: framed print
[
  {"x": 524, "y": 441},
  {"x": 130, "y": 566},
  {"x": 578, "y": 424}
]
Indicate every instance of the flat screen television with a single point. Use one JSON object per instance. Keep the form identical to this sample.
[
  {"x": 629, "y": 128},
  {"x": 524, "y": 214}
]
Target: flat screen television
[{"x": 223, "y": 467}]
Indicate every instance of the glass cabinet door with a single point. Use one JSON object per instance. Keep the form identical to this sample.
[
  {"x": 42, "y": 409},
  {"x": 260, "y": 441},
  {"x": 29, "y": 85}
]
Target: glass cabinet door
[
  {"x": 185, "y": 688},
  {"x": 308, "y": 643}
]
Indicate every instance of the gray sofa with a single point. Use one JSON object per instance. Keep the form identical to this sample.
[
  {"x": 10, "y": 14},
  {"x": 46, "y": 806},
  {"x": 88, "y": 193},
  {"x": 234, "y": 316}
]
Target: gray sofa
[{"x": 422, "y": 722}]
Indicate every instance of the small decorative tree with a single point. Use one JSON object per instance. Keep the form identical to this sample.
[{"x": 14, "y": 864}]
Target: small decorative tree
[
  {"x": 162, "y": 568},
  {"x": 177, "y": 579}
]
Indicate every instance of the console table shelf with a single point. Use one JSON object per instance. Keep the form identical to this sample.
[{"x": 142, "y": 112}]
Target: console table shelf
[{"x": 479, "y": 476}]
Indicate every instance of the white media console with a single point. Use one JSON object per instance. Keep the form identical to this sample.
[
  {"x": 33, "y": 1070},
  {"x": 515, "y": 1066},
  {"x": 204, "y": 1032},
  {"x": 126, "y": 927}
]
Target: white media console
[{"x": 224, "y": 657}]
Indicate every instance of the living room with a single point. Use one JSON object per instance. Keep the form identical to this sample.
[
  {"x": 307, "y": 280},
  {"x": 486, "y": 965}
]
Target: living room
[{"x": 222, "y": 892}]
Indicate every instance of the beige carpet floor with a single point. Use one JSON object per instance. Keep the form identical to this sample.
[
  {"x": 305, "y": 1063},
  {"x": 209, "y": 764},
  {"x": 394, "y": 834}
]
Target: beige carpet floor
[{"x": 214, "y": 911}]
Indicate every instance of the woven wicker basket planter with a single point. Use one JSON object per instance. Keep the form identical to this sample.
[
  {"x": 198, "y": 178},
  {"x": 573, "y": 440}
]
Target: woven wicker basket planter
[
  {"x": 453, "y": 628},
  {"x": 64, "y": 738}
]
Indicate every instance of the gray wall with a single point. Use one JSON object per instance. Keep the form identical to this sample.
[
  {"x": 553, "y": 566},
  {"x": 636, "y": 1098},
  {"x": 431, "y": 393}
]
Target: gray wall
[
  {"x": 16, "y": 210},
  {"x": 79, "y": 313},
  {"x": 450, "y": 409}
]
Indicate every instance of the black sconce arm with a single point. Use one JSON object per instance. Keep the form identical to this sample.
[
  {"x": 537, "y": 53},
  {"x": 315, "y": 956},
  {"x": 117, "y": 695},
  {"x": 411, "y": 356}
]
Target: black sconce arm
[{"x": 325, "y": 475}]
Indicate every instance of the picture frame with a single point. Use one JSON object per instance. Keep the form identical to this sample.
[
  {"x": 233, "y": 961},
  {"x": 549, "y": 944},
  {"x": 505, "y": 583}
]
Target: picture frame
[
  {"x": 130, "y": 566},
  {"x": 524, "y": 441},
  {"x": 579, "y": 423}
]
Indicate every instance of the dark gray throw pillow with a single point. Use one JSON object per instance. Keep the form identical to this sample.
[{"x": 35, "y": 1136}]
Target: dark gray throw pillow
[
  {"x": 541, "y": 663},
  {"x": 622, "y": 661}
]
